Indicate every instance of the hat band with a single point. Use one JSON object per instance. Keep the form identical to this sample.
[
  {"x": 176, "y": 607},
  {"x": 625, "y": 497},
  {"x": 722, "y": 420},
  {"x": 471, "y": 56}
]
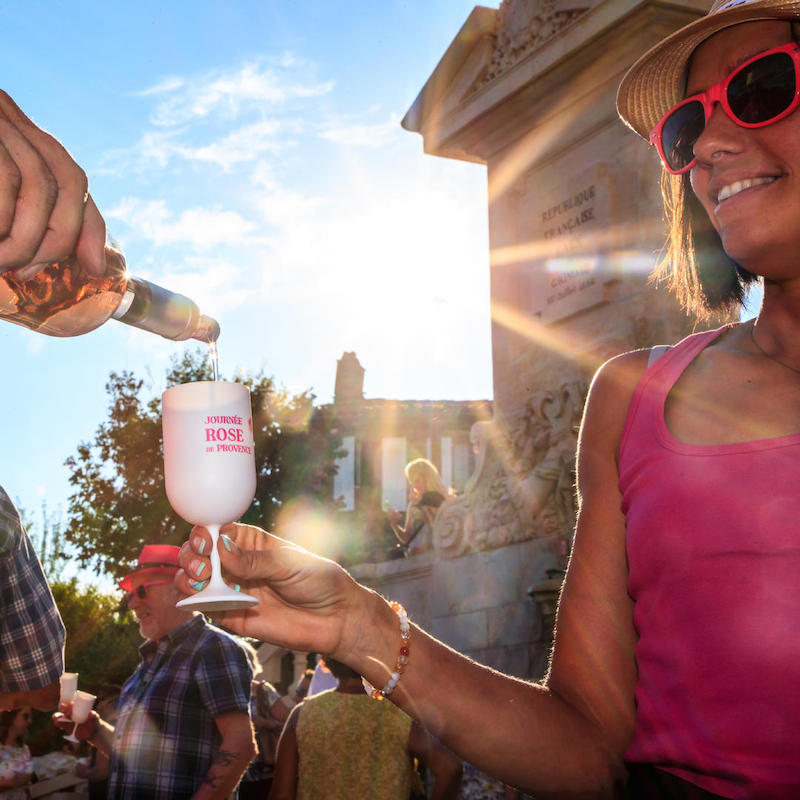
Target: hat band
[{"x": 155, "y": 564}]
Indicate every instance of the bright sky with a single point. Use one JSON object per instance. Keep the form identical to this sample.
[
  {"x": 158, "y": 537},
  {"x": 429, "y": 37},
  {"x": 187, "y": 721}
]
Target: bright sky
[{"x": 249, "y": 154}]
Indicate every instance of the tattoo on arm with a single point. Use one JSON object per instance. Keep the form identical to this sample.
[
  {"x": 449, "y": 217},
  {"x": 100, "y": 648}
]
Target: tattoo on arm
[
  {"x": 223, "y": 758},
  {"x": 226, "y": 757}
]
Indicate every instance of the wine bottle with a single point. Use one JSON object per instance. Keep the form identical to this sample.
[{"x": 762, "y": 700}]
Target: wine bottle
[{"x": 63, "y": 300}]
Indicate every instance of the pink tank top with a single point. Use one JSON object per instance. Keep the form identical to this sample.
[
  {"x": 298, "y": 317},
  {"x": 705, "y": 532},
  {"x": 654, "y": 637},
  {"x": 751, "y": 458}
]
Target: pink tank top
[{"x": 713, "y": 542}]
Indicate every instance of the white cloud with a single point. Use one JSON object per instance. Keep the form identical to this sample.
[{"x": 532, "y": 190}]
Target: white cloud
[
  {"x": 282, "y": 207},
  {"x": 363, "y": 134},
  {"x": 217, "y": 285},
  {"x": 168, "y": 84},
  {"x": 242, "y": 145},
  {"x": 157, "y": 148},
  {"x": 198, "y": 227},
  {"x": 226, "y": 118},
  {"x": 367, "y": 246},
  {"x": 233, "y": 93}
]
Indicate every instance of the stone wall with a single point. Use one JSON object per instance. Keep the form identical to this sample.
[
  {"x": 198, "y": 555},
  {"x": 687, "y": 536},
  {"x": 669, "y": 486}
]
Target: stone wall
[
  {"x": 575, "y": 228},
  {"x": 478, "y": 603}
]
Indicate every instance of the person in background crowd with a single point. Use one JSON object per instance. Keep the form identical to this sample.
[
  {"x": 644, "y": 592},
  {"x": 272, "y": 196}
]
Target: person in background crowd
[
  {"x": 342, "y": 744},
  {"x": 426, "y": 493},
  {"x": 183, "y": 726},
  {"x": 298, "y": 694},
  {"x": 323, "y": 678},
  {"x": 31, "y": 631},
  {"x": 16, "y": 764},
  {"x": 269, "y": 714}
]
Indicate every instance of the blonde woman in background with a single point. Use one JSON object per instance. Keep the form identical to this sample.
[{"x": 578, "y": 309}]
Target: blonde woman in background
[{"x": 426, "y": 493}]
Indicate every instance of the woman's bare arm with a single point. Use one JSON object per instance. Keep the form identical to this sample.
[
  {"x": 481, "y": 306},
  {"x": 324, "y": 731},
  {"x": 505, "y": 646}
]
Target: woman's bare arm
[{"x": 563, "y": 738}]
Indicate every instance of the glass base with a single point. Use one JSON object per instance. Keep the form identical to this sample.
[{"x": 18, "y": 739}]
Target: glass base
[{"x": 217, "y": 600}]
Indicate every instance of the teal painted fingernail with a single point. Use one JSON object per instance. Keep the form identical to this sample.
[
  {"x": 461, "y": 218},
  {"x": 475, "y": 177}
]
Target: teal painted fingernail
[
  {"x": 198, "y": 567},
  {"x": 198, "y": 585},
  {"x": 227, "y": 542},
  {"x": 237, "y": 588},
  {"x": 199, "y": 544}
]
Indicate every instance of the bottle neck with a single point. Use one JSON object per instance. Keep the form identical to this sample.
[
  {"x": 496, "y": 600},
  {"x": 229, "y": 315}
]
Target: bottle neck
[{"x": 152, "y": 308}]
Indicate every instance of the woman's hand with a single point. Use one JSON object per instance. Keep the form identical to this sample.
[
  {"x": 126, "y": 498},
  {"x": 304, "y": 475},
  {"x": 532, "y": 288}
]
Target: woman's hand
[
  {"x": 46, "y": 213},
  {"x": 305, "y": 602}
]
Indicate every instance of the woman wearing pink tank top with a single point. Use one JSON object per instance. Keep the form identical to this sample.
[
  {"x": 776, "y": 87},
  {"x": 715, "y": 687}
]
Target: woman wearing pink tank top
[{"x": 676, "y": 664}]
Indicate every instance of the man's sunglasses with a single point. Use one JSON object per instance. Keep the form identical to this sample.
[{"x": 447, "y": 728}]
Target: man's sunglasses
[
  {"x": 141, "y": 590},
  {"x": 763, "y": 90}
]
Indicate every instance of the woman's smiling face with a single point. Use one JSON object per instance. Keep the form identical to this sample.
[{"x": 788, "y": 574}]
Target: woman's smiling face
[{"x": 748, "y": 180}]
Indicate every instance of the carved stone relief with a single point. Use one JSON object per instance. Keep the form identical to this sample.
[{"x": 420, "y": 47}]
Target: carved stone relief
[
  {"x": 523, "y": 484},
  {"x": 525, "y": 25}
]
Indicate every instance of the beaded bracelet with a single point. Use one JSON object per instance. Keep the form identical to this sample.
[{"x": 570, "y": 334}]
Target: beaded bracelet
[{"x": 402, "y": 657}]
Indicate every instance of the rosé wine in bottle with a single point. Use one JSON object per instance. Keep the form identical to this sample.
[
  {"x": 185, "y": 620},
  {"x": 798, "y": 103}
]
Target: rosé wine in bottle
[{"x": 63, "y": 300}]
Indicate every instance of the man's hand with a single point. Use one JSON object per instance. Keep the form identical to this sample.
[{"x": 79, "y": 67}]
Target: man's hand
[
  {"x": 84, "y": 731},
  {"x": 46, "y": 213}
]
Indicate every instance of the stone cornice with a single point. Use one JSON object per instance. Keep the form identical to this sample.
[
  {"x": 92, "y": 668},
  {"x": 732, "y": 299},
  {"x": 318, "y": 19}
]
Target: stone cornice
[{"x": 458, "y": 109}]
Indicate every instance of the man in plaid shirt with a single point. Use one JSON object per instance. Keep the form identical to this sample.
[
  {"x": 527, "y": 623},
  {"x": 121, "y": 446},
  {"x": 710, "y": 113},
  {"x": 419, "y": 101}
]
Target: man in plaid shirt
[
  {"x": 31, "y": 631},
  {"x": 183, "y": 728}
]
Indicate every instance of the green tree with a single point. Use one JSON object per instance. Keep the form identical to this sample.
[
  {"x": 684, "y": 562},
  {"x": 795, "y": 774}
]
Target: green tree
[
  {"x": 102, "y": 635},
  {"x": 48, "y": 541},
  {"x": 118, "y": 501}
]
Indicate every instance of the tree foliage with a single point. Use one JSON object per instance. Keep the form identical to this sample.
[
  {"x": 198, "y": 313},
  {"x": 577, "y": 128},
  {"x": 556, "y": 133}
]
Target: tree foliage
[
  {"x": 47, "y": 538},
  {"x": 118, "y": 501},
  {"x": 102, "y": 635}
]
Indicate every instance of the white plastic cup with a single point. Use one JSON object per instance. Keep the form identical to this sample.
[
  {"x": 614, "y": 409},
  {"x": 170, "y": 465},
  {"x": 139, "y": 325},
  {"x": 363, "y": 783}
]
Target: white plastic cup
[
  {"x": 209, "y": 470},
  {"x": 69, "y": 685},
  {"x": 82, "y": 705},
  {"x": 209, "y": 460}
]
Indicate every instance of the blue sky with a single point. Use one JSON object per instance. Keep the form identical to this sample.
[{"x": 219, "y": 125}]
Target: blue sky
[{"x": 250, "y": 155}]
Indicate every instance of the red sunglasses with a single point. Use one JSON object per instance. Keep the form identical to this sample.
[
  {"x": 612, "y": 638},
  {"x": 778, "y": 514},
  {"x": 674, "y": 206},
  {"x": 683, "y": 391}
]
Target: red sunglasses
[{"x": 763, "y": 90}]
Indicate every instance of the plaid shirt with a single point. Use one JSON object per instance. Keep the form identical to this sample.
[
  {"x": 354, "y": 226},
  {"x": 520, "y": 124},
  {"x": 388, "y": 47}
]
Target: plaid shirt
[
  {"x": 31, "y": 631},
  {"x": 165, "y": 737}
]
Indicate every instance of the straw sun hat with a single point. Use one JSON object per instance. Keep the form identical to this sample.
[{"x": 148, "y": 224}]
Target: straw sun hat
[{"x": 657, "y": 80}]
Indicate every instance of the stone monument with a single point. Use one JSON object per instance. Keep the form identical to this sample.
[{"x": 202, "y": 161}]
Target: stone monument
[{"x": 575, "y": 226}]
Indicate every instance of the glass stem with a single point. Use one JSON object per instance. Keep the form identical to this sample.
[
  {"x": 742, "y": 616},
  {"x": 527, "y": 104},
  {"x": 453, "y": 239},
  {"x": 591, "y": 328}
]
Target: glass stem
[{"x": 216, "y": 568}]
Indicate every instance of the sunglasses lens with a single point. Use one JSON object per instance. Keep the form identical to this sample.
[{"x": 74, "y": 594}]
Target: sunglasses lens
[
  {"x": 139, "y": 591},
  {"x": 762, "y": 90},
  {"x": 679, "y": 133}
]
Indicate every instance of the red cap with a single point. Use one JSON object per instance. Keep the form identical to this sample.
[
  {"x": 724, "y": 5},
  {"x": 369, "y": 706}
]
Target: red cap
[{"x": 155, "y": 559}]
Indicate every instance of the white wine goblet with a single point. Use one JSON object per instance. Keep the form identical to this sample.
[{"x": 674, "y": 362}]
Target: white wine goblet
[
  {"x": 81, "y": 706},
  {"x": 209, "y": 470}
]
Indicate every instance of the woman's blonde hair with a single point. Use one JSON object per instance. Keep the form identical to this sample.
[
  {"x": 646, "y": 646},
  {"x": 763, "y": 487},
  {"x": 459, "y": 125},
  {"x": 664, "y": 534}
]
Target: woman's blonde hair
[{"x": 422, "y": 468}]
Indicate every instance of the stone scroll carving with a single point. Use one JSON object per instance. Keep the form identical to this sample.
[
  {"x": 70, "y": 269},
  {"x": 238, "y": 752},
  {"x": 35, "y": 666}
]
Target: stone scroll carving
[
  {"x": 524, "y": 25},
  {"x": 523, "y": 484}
]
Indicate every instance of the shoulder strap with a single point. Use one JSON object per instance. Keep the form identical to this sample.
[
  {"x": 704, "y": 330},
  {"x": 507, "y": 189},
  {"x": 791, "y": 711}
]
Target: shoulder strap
[{"x": 655, "y": 353}]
